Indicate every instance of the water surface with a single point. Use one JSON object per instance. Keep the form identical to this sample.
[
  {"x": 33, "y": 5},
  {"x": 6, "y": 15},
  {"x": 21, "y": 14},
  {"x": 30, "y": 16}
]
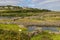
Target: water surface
[{"x": 53, "y": 29}]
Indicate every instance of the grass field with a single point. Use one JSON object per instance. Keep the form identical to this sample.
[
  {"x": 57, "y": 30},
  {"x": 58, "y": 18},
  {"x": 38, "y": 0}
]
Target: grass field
[
  {"x": 49, "y": 18},
  {"x": 46, "y": 36},
  {"x": 9, "y": 27},
  {"x": 13, "y": 27}
]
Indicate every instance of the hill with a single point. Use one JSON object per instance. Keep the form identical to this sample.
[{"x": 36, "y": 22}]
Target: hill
[{"x": 19, "y": 11}]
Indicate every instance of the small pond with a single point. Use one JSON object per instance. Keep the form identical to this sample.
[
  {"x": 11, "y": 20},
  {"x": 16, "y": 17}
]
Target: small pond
[{"x": 53, "y": 29}]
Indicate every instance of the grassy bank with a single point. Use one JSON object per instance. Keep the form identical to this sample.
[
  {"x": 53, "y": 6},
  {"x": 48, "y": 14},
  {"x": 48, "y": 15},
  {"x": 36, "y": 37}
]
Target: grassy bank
[
  {"x": 11, "y": 27},
  {"x": 46, "y": 36},
  {"x": 13, "y": 35},
  {"x": 11, "y": 32}
]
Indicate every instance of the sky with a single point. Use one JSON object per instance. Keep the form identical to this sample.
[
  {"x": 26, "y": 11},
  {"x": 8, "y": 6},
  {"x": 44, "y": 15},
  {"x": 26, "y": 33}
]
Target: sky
[{"x": 42, "y": 4}]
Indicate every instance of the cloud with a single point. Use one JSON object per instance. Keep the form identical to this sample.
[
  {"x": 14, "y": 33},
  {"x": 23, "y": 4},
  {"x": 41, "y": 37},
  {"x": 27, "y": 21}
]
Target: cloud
[
  {"x": 47, "y": 4},
  {"x": 10, "y": 2},
  {"x": 42, "y": 2},
  {"x": 34, "y": 0},
  {"x": 48, "y": 1}
]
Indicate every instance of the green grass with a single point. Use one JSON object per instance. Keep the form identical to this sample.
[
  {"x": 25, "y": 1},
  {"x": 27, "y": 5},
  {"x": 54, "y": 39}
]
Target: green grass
[
  {"x": 41, "y": 36},
  {"x": 13, "y": 35},
  {"x": 11, "y": 32},
  {"x": 11, "y": 27},
  {"x": 56, "y": 37},
  {"x": 45, "y": 36}
]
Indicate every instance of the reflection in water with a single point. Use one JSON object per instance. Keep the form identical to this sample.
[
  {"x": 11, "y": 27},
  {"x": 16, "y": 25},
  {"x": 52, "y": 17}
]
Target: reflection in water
[{"x": 53, "y": 29}]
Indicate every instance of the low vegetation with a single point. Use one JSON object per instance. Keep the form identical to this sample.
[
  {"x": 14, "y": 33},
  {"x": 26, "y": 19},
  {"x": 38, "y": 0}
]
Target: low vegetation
[
  {"x": 17, "y": 35},
  {"x": 10, "y": 30},
  {"x": 46, "y": 36},
  {"x": 11, "y": 27},
  {"x": 13, "y": 35}
]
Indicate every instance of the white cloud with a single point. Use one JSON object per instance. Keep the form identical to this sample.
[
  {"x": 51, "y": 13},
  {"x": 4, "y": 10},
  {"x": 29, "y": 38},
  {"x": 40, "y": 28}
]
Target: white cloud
[
  {"x": 10, "y": 2},
  {"x": 48, "y": 1},
  {"x": 47, "y": 4},
  {"x": 34, "y": 0}
]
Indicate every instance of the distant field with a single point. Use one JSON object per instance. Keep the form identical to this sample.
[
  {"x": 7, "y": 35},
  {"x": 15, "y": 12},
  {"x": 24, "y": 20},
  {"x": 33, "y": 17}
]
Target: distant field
[{"x": 47, "y": 18}]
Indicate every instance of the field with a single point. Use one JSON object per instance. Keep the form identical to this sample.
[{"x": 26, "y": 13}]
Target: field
[
  {"x": 14, "y": 23},
  {"x": 46, "y": 36},
  {"x": 11, "y": 27},
  {"x": 11, "y": 32}
]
